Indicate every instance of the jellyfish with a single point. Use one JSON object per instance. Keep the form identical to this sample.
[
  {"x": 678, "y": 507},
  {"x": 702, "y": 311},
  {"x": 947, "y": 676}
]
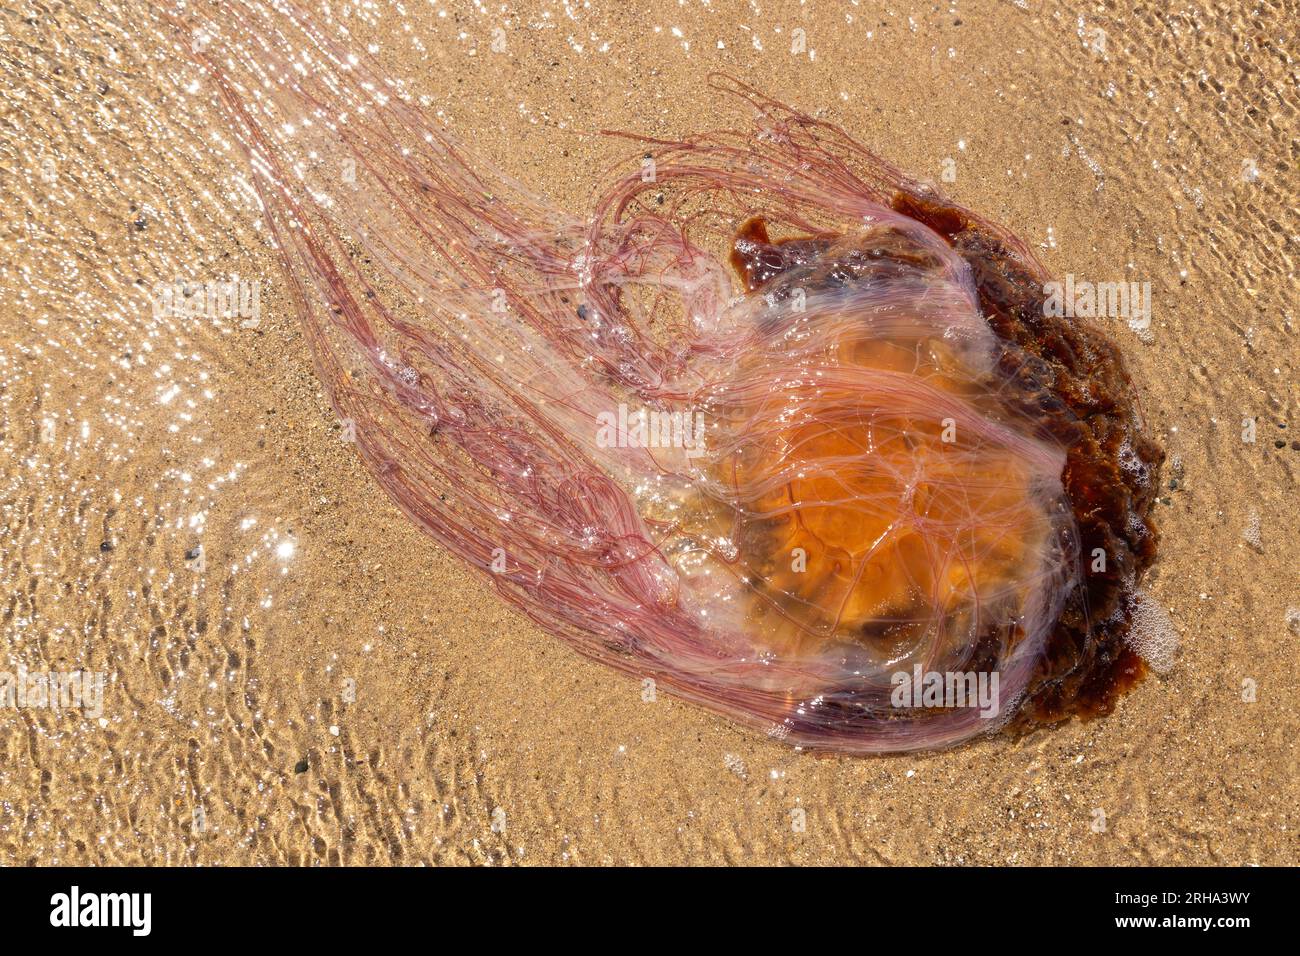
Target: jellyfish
[{"x": 770, "y": 424}]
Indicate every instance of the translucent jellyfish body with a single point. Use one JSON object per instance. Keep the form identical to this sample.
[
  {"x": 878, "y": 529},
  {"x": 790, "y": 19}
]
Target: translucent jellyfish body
[{"x": 773, "y": 426}]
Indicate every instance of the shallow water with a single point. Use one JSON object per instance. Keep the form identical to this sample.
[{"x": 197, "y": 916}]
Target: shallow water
[{"x": 128, "y": 439}]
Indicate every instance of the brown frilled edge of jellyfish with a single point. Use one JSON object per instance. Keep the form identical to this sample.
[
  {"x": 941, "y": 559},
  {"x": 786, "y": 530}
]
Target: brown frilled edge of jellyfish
[{"x": 1076, "y": 374}]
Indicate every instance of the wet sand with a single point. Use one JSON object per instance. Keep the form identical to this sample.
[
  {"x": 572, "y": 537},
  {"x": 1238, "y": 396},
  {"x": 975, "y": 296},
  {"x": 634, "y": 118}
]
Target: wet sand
[{"x": 333, "y": 688}]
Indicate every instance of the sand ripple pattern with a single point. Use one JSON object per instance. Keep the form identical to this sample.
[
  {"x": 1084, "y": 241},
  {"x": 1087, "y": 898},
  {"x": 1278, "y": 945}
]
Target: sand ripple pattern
[{"x": 330, "y": 688}]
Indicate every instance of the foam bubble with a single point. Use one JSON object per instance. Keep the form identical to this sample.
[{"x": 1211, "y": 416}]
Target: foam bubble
[
  {"x": 1152, "y": 634},
  {"x": 1252, "y": 532}
]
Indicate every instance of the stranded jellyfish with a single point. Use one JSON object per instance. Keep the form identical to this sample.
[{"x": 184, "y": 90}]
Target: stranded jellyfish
[{"x": 772, "y": 425}]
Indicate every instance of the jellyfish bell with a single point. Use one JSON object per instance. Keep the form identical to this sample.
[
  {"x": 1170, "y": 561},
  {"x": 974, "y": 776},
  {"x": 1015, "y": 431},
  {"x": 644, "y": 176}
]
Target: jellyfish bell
[
  {"x": 889, "y": 508},
  {"x": 775, "y": 427}
]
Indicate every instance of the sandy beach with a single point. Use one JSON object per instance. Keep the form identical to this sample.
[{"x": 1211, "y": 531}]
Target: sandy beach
[{"x": 295, "y": 674}]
